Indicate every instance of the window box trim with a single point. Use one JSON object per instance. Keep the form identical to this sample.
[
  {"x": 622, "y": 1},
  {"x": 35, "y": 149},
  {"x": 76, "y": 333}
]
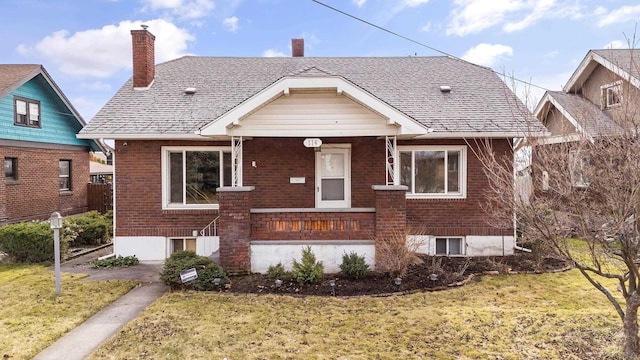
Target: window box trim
[
  {"x": 165, "y": 166},
  {"x": 462, "y": 194}
]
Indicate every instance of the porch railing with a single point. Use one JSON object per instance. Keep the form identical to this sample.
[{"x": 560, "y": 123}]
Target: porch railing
[{"x": 211, "y": 229}]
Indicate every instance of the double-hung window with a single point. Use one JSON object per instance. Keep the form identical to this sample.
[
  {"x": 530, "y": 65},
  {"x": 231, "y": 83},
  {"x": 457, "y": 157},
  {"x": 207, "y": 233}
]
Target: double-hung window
[
  {"x": 27, "y": 112},
  {"x": 433, "y": 171},
  {"x": 11, "y": 169},
  {"x": 191, "y": 176},
  {"x": 65, "y": 175}
]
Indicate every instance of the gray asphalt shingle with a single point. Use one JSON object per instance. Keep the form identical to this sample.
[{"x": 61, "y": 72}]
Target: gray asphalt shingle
[
  {"x": 593, "y": 120},
  {"x": 479, "y": 102}
]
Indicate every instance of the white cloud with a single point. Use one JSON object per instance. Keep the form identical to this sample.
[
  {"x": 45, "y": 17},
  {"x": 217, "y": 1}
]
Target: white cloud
[
  {"x": 105, "y": 51},
  {"x": 426, "y": 27},
  {"x": 472, "y": 16},
  {"x": 231, "y": 23},
  {"x": 359, "y": 3},
  {"x": 540, "y": 9},
  {"x": 487, "y": 54},
  {"x": 620, "y": 15},
  {"x": 185, "y": 9},
  {"x": 273, "y": 53},
  {"x": 413, "y": 3},
  {"x": 616, "y": 44}
]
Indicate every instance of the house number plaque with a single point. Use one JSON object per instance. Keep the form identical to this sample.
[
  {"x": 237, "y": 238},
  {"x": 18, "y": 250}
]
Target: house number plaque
[{"x": 312, "y": 142}]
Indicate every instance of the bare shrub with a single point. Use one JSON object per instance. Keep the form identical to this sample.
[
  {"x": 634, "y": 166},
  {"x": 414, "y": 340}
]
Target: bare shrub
[{"x": 399, "y": 251}]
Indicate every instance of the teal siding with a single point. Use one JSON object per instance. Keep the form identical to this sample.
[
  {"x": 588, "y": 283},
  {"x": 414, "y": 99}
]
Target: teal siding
[{"x": 59, "y": 126}]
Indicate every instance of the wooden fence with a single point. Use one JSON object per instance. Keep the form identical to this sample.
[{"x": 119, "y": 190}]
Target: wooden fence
[{"x": 100, "y": 197}]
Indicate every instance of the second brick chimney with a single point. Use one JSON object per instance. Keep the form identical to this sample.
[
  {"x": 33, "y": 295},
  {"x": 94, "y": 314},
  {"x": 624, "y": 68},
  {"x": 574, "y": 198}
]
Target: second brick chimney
[
  {"x": 297, "y": 47},
  {"x": 144, "y": 69}
]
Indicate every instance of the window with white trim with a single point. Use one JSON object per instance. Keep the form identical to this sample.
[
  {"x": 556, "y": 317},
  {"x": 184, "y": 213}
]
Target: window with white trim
[
  {"x": 611, "y": 94},
  {"x": 65, "y": 175},
  {"x": 433, "y": 171},
  {"x": 449, "y": 246},
  {"x": 27, "y": 112},
  {"x": 191, "y": 175}
]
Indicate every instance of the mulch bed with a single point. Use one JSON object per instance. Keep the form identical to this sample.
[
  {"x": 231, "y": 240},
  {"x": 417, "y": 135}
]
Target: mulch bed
[{"x": 450, "y": 271}]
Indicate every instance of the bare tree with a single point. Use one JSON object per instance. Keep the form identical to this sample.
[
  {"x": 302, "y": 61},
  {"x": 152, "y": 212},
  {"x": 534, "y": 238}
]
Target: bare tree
[{"x": 586, "y": 186}]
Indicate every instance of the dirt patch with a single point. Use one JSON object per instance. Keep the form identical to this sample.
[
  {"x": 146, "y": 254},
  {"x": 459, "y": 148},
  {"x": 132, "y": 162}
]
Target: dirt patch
[{"x": 435, "y": 273}]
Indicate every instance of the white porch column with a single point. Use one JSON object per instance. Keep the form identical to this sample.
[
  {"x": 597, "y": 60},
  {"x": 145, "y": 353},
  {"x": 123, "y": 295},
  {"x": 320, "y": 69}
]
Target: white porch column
[
  {"x": 392, "y": 160},
  {"x": 236, "y": 161}
]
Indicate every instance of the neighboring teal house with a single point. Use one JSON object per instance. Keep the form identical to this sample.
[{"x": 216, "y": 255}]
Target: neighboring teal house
[{"x": 46, "y": 168}]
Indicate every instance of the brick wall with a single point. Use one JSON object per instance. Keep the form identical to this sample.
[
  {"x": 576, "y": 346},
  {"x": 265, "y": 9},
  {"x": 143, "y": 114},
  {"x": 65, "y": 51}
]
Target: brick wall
[
  {"x": 312, "y": 226},
  {"x": 279, "y": 159},
  {"x": 138, "y": 181},
  {"x": 139, "y": 196},
  {"x": 36, "y": 194},
  {"x": 457, "y": 216}
]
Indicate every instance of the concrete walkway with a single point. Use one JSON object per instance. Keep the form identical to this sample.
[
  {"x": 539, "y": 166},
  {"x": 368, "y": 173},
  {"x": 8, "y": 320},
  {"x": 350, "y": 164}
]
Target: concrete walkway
[{"x": 86, "y": 338}]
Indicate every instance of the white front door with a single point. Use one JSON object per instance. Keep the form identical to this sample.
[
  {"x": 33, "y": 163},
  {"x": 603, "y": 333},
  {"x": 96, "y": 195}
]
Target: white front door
[{"x": 333, "y": 176}]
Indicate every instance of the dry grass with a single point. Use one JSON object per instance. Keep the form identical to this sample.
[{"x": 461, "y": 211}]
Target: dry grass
[
  {"x": 547, "y": 316},
  {"x": 32, "y": 317}
]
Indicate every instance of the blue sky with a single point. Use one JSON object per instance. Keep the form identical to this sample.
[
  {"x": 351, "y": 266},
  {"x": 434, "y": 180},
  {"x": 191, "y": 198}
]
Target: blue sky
[{"x": 86, "y": 47}]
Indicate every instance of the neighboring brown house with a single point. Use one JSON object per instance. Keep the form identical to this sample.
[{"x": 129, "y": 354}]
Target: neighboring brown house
[
  {"x": 279, "y": 153},
  {"x": 591, "y": 103},
  {"x": 46, "y": 168}
]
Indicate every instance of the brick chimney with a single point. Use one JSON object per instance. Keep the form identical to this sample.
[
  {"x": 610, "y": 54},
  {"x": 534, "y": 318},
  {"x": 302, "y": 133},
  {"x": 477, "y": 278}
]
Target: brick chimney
[
  {"x": 297, "y": 47},
  {"x": 144, "y": 69}
]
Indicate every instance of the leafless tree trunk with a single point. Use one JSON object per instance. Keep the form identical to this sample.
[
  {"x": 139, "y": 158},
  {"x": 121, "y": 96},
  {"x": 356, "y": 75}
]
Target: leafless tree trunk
[{"x": 585, "y": 203}]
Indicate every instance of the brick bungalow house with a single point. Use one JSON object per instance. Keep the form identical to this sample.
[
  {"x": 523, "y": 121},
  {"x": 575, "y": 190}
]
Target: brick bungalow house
[
  {"x": 46, "y": 168},
  {"x": 254, "y": 158}
]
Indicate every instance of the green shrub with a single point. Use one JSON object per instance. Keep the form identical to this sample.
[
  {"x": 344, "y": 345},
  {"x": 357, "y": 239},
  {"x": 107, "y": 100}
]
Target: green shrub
[
  {"x": 30, "y": 242},
  {"x": 206, "y": 268},
  {"x": 276, "y": 272},
  {"x": 119, "y": 261},
  {"x": 354, "y": 266},
  {"x": 92, "y": 227},
  {"x": 309, "y": 270}
]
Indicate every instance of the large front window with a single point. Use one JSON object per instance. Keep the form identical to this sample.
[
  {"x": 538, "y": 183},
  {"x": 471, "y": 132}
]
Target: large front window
[
  {"x": 433, "y": 171},
  {"x": 192, "y": 176}
]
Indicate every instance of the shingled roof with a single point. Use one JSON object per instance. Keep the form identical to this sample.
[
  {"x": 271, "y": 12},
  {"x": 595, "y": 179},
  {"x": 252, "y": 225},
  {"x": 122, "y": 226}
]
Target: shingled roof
[
  {"x": 586, "y": 116},
  {"x": 623, "y": 62},
  {"x": 14, "y": 75},
  {"x": 479, "y": 102}
]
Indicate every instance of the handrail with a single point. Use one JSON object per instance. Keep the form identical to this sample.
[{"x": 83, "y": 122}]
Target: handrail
[{"x": 206, "y": 231}]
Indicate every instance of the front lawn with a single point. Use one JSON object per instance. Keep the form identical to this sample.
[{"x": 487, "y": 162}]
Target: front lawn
[
  {"x": 32, "y": 316},
  {"x": 546, "y": 316}
]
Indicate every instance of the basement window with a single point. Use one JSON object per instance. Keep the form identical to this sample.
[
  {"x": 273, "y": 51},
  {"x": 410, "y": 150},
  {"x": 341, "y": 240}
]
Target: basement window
[
  {"x": 182, "y": 244},
  {"x": 449, "y": 246}
]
